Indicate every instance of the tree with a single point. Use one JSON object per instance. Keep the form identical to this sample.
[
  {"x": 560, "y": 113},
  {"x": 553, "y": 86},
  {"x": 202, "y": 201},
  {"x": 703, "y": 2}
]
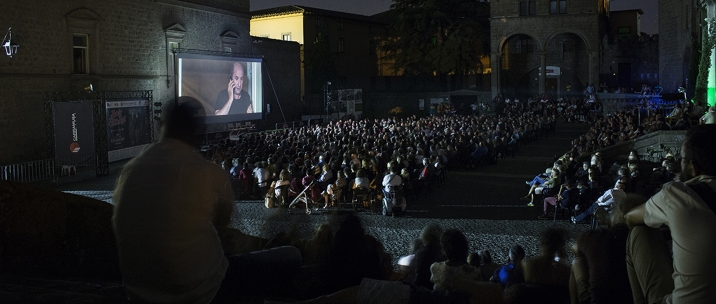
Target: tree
[
  {"x": 438, "y": 36},
  {"x": 318, "y": 64}
]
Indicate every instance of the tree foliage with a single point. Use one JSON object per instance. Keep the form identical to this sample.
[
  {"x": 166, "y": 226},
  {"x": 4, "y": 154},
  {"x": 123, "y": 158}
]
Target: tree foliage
[
  {"x": 438, "y": 36},
  {"x": 708, "y": 43},
  {"x": 319, "y": 64}
]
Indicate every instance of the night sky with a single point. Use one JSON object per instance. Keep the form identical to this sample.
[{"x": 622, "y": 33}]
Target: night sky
[{"x": 649, "y": 23}]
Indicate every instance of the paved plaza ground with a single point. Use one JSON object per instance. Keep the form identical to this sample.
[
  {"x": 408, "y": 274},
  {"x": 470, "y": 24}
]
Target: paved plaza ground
[{"x": 483, "y": 203}]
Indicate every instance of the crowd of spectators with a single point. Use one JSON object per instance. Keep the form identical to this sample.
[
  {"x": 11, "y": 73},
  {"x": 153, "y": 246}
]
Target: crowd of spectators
[
  {"x": 335, "y": 159},
  {"x": 350, "y": 265}
]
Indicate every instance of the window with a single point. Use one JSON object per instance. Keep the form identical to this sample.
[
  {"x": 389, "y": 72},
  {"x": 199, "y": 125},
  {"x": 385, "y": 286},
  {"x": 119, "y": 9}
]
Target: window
[
  {"x": 372, "y": 47},
  {"x": 558, "y": 7},
  {"x": 624, "y": 32},
  {"x": 522, "y": 45},
  {"x": 528, "y": 7},
  {"x": 286, "y": 36},
  {"x": 320, "y": 23},
  {"x": 341, "y": 45},
  {"x": 80, "y": 52},
  {"x": 341, "y": 25},
  {"x": 83, "y": 34},
  {"x": 229, "y": 41},
  {"x": 173, "y": 47}
]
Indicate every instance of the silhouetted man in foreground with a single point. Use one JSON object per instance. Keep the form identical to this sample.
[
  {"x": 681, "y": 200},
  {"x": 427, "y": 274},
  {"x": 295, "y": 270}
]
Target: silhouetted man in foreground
[
  {"x": 169, "y": 203},
  {"x": 688, "y": 209}
]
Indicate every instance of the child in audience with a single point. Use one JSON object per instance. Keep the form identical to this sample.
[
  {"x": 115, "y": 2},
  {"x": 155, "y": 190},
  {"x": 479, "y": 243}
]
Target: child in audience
[{"x": 511, "y": 273}]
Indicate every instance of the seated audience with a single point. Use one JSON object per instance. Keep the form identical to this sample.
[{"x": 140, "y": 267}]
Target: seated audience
[
  {"x": 566, "y": 198},
  {"x": 607, "y": 200},
  {"x": 429, "y": 253},
  {"x": 599, "y": 272},
  {"x": 455, "y": 247},
  {"x": 511, "y": 273},
  {"x": 551, "y": 184},
  {"x": 483, "y": 261},
  {"x": 550, "y": 267},
  {"x": 406, "y": 264}
]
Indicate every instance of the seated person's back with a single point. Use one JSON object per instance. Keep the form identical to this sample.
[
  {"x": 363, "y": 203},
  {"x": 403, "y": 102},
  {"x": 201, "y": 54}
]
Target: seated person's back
[
  {"x": 550, "y": 268},
  {"x": 456, "y": 248}
]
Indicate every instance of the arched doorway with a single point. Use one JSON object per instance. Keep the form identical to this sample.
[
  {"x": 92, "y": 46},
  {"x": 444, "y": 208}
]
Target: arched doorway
[
  {"x": 520, "y": 54},
  {"x": 569, "y": 53}
]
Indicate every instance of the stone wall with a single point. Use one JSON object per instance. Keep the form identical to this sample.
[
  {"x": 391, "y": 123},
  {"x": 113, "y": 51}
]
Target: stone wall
[
  {"x": 519, "y": 76},
  {"x": 127, "y": 47},
  {"x": 639, "y": 53},
  {"x": 678, "y": 20},
  {"x": 659, "y": 144}
]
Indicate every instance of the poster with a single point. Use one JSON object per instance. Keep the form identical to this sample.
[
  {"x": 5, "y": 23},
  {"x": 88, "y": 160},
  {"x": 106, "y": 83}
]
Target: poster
[
  {"x": 74, "y": 132},
  {"x": 127, "y": 124}
]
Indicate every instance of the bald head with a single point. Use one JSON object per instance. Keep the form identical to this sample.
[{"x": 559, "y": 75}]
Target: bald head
[{"x": 237, "y": 76}]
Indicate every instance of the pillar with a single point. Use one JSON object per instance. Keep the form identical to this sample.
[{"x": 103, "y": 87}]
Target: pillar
[
  {"x": 543, "y": 73},
  {"x": 495, "y": 62}
]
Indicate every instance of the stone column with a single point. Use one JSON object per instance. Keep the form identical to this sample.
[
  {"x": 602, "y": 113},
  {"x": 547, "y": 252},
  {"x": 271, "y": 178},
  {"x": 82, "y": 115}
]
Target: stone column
[
  {"x": 543, "y": 72},
  {"x": 495, "y": 59},
  {"x": 594, "y": 68}
]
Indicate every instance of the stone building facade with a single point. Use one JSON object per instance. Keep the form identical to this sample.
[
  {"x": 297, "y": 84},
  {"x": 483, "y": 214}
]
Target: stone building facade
[
  {"x": 560, "y": 37},
  {"x": 115, "y": 45},
  {"x": 679, "y": 23}
]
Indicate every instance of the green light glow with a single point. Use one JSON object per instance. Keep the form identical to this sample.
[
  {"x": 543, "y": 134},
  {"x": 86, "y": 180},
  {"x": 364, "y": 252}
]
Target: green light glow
[{"x": 711, "y": 86}]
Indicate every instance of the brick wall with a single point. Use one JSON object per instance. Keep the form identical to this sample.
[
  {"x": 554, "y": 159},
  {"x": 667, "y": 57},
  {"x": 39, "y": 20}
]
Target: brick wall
[{"x": 128, "y": 46}]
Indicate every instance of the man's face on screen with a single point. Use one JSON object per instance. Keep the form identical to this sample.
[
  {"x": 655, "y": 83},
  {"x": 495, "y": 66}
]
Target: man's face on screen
[{"x": 238, "y": 78}]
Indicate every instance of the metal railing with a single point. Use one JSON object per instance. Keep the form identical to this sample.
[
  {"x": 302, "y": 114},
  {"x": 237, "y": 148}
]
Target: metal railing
[
  {"x": 31, "y": 171},
  {"x": 46, "y": 169},
  {"x": 290, "y": 124}
]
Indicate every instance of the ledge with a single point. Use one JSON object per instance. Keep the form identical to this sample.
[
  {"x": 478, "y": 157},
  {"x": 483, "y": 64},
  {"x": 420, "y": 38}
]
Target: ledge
[{"x": 204, "y": 8}]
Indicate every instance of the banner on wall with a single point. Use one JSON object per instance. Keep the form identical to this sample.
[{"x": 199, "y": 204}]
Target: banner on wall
[
  {"x": 128, "y": 129},
  {"x": 74, "y": 132},
  {"x": 346, "y": 103}
]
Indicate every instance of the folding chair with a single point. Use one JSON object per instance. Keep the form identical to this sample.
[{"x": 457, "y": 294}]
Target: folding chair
[{"x": 305, "y": 198}]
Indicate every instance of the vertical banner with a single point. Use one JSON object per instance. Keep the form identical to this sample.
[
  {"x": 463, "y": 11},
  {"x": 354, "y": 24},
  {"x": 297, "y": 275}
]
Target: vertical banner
[
  {"x": 127, "y": 128},
  {"x": 74, "y": 132}
]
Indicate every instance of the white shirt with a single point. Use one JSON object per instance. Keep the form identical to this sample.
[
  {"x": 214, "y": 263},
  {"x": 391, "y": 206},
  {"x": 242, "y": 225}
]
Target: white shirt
[
  {"x": 391, "y": 180},
  {"x": 262, "y": 176},
  {"x": 692, "y": 225},
  {"x": 610, "y": 197}
]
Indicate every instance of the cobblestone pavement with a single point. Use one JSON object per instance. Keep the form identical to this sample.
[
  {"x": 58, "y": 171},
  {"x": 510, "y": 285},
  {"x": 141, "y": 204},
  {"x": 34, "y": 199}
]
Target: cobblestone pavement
[{"x": 484, "y": 204}]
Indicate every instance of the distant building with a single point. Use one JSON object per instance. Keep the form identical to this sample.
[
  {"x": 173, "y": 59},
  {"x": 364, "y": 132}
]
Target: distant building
[
  {"x": 562, "y": 38},
  {"x": 629, "y": 58},
  {"x": 352, "y": 40},
  {"x": 625, "y": 24}
]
